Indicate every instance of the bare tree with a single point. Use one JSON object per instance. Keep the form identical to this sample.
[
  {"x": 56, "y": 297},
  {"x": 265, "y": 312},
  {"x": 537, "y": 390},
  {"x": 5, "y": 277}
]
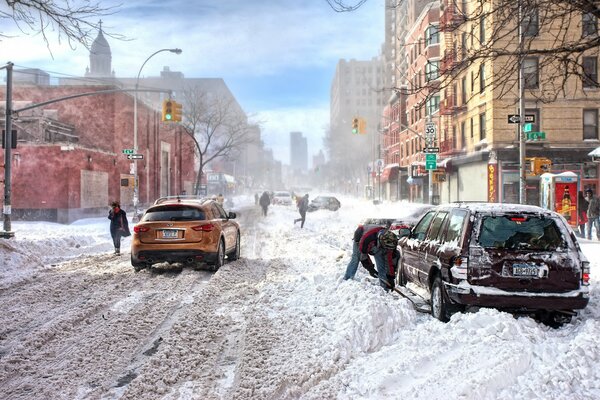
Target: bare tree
[
  {"x": 219, "y": 129},
  {"x": 341, "y": 6},
  {"x": 71, "y": 22},
  {"x": 557, "y": 36}
]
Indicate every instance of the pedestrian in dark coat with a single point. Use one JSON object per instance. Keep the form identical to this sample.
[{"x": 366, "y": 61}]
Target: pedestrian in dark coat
[
  {"x": 119, "y": 227},
  {"x": 593, "y": 212},
  {"x": 265, "y": 201},
  {"x": 302, "y": 208},
  {"x": 582, "y": 206}
]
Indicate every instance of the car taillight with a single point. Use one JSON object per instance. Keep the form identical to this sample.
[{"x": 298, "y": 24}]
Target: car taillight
[
  {"x": 459, "y": 267},
  {"x": 138, "y": 229},
  {"x": 585, "y": 273},
  {"x": 204, "y": 228}
]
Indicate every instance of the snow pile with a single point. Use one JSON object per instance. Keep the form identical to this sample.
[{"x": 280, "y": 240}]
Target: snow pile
[{"x": 279, "y": 323}]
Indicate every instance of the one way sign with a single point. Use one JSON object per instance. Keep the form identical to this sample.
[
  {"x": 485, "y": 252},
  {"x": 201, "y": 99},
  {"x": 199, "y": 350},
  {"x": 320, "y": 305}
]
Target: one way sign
[{"x": 514, "y": 118}]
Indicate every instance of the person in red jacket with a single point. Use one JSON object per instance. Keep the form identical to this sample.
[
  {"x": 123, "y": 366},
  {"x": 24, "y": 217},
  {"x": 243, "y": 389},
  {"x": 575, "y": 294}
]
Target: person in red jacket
[
  {"x": 386, "y": 256},
  {"x": 358, "y": 256}
]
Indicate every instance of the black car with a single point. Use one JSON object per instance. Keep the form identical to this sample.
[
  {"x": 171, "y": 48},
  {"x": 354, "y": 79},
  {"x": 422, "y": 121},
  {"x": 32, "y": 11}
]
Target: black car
[
  {"x": 518, "y": 258},
  {"x": 324, "y": 203}
]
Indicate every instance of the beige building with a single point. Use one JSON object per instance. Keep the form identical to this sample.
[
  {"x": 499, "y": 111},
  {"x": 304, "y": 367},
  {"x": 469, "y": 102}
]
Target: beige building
[{"x": 477, "y": 134}]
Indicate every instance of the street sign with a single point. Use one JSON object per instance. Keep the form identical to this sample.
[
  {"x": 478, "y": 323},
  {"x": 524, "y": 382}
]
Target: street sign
[
  {"x": 430, "y": 130},
  {"x": 527, "y": 127},
  {"x": 431, "y": 150},
  {"x": 127, "y": 151},
  {"x": 536, "y": 135},
  {"x": 430, "y": 161},
  {"x": 515, "y": 118},
  {"x": 135, "y": 156}
]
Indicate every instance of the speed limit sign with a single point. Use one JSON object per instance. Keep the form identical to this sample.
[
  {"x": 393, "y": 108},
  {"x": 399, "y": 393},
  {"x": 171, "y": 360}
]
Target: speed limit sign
[{"x": 430, "y": 130}]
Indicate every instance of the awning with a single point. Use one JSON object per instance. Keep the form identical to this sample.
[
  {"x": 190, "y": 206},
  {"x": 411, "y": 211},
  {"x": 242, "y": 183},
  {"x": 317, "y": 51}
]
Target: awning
[
  {"x": 595, "y": 152},
  {"x": 390, "y": 173}
]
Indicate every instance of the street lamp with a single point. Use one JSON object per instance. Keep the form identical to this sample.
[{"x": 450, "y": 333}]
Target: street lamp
[{"x": 135, "y": 144}]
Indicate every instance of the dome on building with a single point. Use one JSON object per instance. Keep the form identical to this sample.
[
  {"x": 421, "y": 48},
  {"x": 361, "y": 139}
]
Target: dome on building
[
  {"x": 100, "y": 45},
  {"x": 100, "y": 57}
]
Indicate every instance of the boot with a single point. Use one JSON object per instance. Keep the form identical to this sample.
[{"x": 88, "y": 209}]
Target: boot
[{"x": 117, "y": 250}]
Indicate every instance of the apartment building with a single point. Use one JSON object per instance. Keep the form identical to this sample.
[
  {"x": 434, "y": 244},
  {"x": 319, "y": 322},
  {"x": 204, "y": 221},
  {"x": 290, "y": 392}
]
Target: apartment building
[{"x": 477, "y": 133}]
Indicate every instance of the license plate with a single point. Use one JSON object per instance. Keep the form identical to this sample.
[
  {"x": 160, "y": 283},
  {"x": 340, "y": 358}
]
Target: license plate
[
  {"x": 169, "y": 234},
  {"x": 525, "y": 270}
]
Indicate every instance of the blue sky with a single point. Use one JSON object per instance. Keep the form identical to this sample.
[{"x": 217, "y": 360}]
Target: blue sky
[{"x": 278, "y": 57}]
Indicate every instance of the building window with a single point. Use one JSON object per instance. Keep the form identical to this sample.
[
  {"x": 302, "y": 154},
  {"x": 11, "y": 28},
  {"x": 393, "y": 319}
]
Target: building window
[
  {"x": 482, "y": 134},
  {"x": 482, "y": 29},
  {"x": 463, "y": 45},
  {"x": 432, "y": 70},
  {"x": 481, "y": 78},
  {"x": 530, "y": 25},
  {"x": 433, "y": 104},
  {"x": 590, "y": 72},
  {"x": 432, "y": 35},
  {"x": 463, "y": 134},
  {"x": 590, "y": 124},
  {"x": 531, "y": 72},
  {"x": 472, "y": 128},
  {"x": 589, "y": 25},
  {"x": 463, "y": 89}
]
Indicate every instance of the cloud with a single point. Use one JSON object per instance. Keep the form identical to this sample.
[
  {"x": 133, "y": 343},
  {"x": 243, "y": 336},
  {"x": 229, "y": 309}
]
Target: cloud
[{"x": 277, "y": 56}]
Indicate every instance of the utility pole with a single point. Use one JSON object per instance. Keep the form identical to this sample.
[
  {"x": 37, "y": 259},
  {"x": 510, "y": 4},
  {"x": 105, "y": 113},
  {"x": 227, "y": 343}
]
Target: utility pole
[
  {"x": 6, "y": 210},
  {"x": 522, "y": 172}
]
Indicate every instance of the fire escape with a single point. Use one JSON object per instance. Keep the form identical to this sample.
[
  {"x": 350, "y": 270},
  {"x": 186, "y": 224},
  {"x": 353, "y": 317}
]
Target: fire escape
[{"x": 450, "y": 20}]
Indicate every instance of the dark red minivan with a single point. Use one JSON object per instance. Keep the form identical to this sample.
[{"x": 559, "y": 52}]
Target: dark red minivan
[{"x": 517, "y": 258}]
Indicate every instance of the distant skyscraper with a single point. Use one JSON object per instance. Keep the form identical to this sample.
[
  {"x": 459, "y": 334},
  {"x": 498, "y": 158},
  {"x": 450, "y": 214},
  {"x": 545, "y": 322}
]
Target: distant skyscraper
[{"x": 298, "y": 152}]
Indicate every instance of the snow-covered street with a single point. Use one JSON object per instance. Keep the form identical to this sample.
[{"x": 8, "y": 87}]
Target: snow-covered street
[{"x": 280, "y": 323}]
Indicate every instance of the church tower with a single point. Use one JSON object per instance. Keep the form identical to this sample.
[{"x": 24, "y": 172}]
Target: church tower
[{"x": 100, "y": 58}]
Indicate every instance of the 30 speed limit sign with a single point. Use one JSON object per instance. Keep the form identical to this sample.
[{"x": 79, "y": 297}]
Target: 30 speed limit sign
[{"x": 430, "y": 130}]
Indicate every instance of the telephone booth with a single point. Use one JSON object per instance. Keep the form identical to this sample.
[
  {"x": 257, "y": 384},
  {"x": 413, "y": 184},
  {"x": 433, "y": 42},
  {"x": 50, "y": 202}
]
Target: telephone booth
[{"x": 558, "y": 192}]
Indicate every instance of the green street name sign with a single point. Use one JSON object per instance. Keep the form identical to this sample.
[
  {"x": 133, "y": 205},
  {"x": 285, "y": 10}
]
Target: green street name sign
[
  {"x": 430, "y": 161},
  {"x": 536, "y": 135},
  {"x": 127, "y": 151}
]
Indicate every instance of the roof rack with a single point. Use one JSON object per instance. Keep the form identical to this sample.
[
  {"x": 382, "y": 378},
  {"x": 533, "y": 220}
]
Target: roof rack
[{"x": 180, "y": 198}]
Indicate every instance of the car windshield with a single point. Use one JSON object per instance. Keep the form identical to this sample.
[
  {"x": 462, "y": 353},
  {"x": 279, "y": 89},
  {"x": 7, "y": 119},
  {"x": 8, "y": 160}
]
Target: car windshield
[
  {"x": 520, "y": 232},
  {"x": 173, "y": 213}
]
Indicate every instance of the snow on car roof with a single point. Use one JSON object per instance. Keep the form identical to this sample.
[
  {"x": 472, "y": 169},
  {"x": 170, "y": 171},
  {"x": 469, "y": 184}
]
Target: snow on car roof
[{"x": 498, "y": 207}]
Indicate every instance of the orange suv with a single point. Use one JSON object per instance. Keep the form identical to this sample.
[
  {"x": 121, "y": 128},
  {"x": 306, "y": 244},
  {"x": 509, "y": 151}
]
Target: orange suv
[{"x": 185, "y": 229}]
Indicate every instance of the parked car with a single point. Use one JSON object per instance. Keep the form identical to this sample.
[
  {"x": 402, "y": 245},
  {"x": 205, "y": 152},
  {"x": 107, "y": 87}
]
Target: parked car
[
  {"x": 185, "y": 229},
  {"x": 518, "y": 258},
  {"x": 282, "y": 198},
  {"x": 324, "y": 203}
]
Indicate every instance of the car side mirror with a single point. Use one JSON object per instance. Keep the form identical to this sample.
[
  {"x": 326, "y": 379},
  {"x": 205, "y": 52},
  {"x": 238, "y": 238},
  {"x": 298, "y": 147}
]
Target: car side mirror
[
  {"x": 404, "y": 232},
  {"x": 231, "y": 215}
]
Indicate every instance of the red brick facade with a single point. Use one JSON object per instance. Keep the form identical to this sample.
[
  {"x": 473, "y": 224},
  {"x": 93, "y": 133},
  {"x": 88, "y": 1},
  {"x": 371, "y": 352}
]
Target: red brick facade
[{"x": 55, "y": 179}]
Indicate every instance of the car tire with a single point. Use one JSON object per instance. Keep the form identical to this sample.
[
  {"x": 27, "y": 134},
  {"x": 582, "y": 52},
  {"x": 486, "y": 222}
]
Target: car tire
[
  {"x": 400, "y": 275},
  {"x": 235, "y": 254},
  {"x": 220, "y": 261},
  {"x": 137, "y": 266},
  {"x": 439, "y": 300}
]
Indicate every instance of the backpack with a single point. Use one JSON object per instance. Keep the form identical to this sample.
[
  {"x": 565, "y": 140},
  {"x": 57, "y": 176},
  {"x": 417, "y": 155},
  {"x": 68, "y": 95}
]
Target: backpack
[{"x": 388, "y": 239}]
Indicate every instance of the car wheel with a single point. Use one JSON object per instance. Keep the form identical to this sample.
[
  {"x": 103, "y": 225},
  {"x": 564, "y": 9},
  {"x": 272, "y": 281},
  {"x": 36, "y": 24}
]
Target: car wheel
[
  {"x": 220, "y": 261},
  {"x": 137, "y": 266},
  {"x": 439, "y": 303},
  {"x": 235, "y": 254},
  {"x": 400, "y": 274}
]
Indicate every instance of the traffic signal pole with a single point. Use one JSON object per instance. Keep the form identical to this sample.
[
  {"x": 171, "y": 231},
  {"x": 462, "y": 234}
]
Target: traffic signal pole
[
  {"x": 6, "y": 210},
  {"x": 522, "y": 153}
]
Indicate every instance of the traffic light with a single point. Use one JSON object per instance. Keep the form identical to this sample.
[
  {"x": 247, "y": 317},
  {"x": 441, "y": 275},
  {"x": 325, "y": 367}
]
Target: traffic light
[
  {"x": 177, "y": 109},
  {"x": 167, "y": 110},
  {"x": 355, "y": 125},
  {"x": 540, "y": 165},
  {"x": 362, "y": 126}
]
